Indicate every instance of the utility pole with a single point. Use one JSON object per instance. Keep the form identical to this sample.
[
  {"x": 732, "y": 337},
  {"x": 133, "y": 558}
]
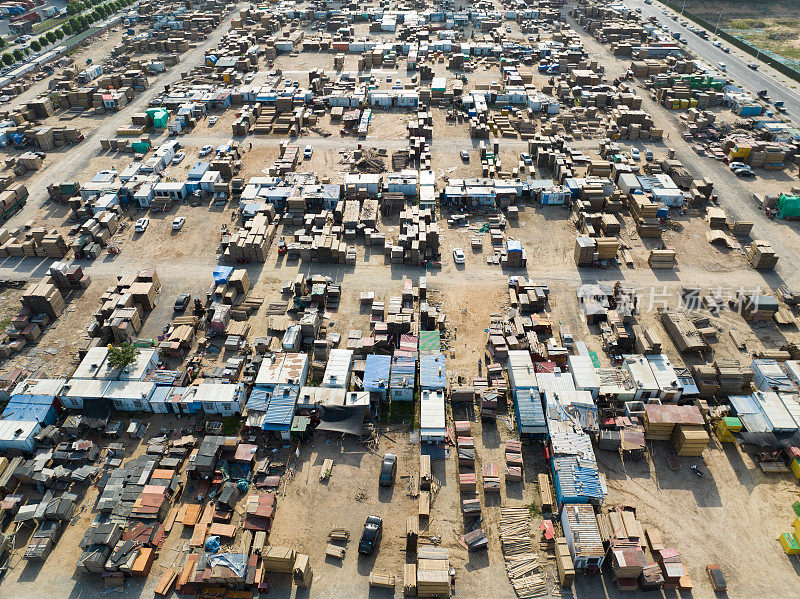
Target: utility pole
[
  {"x": 761, "y": 45},
  {"x": 683, "y": 6},
  {"x": 719, "y": 18}
]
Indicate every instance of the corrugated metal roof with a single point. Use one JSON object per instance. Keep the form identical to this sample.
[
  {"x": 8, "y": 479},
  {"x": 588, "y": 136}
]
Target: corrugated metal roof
[
  {"x": 217, "y": 392},
  {"x": 432, "y": 371},
  {"x": 280, "y": 410},
  {"x": 376, "y": 371},
  {"x": 775, "y": 412},
  {"x": 521, "y": 373},
  {"x": 530, "y": 415},
  {"x": 641, "y": 373},
  {"x": 40, "y": 386},
  {"x": 258, "y": 400},
  {"x": 585, "y": 533},
  {"x": 337, "y": 371},
  {"x": 584, "y": 373},
  {"x": 404, "y": 370},
  {"x": 576, "y": 480},
  {"x": 432, "y": 414},
  {"x": 20, "y": 410}
]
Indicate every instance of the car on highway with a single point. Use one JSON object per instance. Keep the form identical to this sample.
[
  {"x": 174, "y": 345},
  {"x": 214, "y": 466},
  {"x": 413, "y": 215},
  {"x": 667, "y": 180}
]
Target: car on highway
[
  {"x": 716, "y": 44},
  {"x": 178, "y": 158},
  {"x": 371, "y": 536},
  {"x": 722, "y": 66},
  {"x": 206, "y": 150},
  {"x": 182, "y": 302},
  {"x": 635, "y": 153},
  {"x": 726, "y": 49},
  {"x": 752, "y": 65},
  {"x": 178, "y": 222},
  {"x": 141, "y": 225},
  {"x": 459, "y": 257},
  {"x": 388, "y": 470}
]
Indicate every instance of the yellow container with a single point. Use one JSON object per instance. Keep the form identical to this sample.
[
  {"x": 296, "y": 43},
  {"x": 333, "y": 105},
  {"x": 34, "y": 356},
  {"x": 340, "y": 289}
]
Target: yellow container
[
  {"x": 796, "y": 525},
  {"x": 676, "y": 104},
  {"x": 794, "y": 466},
  {"x": 723, "y": 432},
  {"x": 693, "y": 103},
  {"x": 789, "y": 544},
  {"x": 684, "y": 104}
]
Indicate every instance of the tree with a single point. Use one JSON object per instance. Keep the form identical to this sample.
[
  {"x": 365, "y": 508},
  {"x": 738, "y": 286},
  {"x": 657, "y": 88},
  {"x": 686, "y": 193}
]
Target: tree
[
  {"x": 51, "y": 37},
  {"x": 72, "y": 9},
  {"x": 26, "y": 49},
  {"x": 2, "y": 43},
  {"x": 18, "y": 55},
  {"x": 59, "y": 33},
  {"x": 36, "y": 45},
  {"x": 43, "y": 42},
  {"x": 66, "y": 29},
  {"x": 8, "y": 59},
  {"x": 122, "y": 355}
]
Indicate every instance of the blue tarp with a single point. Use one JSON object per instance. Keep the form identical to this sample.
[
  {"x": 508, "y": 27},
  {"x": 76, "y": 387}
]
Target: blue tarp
[
  {"x": 222, "y": 274},
  {"x": 258, "y": 400},
  {"x": 576, "y": 481},
  {"x": 33, "y": 408}
]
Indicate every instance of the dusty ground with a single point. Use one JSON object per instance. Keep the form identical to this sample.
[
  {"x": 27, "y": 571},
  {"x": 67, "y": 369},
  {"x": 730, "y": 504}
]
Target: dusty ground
[{"x": 706, "y": 519}]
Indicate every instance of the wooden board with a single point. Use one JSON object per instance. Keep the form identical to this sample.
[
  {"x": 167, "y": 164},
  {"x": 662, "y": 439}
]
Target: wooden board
[
  {"x": 170, "y": 521},
  {"x": 191, "y": 515},
  {"x": 165, "y": 583}
]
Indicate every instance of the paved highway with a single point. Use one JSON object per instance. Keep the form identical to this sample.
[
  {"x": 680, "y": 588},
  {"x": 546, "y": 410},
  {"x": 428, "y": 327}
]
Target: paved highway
[{"x": 737, "y": 69}]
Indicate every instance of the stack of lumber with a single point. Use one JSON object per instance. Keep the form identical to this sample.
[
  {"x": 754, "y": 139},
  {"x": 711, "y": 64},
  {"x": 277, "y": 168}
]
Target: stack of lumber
[
  {"x": 467, "y": 482},
  {"x": 462, "y": 428},
  {"x": 689, "y": 440},
  {"x": 732, "y": 377},
  {"x": 662, "y": 259},
  {"x": 491, "y": 477},
  {"x": 278, "y": 559},
  {"x": 564, "y": 563},
  {"x": 682, "y": 331},
  {"x": 546, "y": 493},
  {"x": 761, "y": 256},
  {"x": 607, "y": 247},
  {"x": 705, "y": 377},
  {"x": 433, "y": 572},
  {"x": 513, "y": 461},
  {"x": 661, "y": 420},
  {"x": 522, "y": 565},
  {"x": 381, "y": 580}
]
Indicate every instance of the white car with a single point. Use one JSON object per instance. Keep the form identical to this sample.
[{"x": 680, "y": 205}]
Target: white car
[
  {"x": 722, "y": 66},
  {"x": 459, "y": 257},
  {"x": 635, "y": 153},
  {"x": 178, "y": 222},
  {"x": 141, "y": 225},
  {"x": 307, "y": 152},
  {"x": 206, "y": 150},
  {"x": 178, "y": 158},
  {"x": 212, "y": 120}
]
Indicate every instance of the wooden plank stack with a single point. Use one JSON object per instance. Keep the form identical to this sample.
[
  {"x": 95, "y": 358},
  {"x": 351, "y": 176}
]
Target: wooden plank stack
[
  {"x": 662, "y": 259},
  {"x": 761, "y": 256},
  {"x": 433, "y": 572},
  {"x": 522, "y": 565},
  {"x": 491, "y": 477},
  {"x": 278, "y": 559},
  {"x": 546, "y": 493},
  {"x": 564, "y": 564},
  {"x": 689, "y": 440}
]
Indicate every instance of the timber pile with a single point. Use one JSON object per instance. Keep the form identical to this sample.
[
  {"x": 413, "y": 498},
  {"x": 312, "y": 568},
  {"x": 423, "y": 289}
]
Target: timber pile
[
  {"x": 369, "y": 162},
  {"x": 522, "y": 565}
]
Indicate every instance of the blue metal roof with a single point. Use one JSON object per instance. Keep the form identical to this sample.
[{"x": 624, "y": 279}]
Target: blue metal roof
[
  {"x": 529, "y": 412},
  {"x": 376, "y": 371},
  {"x": 576, "y": 481},
  {"x": 160, "y": 395},
  {"x": 258, "y": 400},
  {"x": 198, "y": 170},
  {"x": 403, "y": 369},
  {"x": 38, "y": 410},
  {"x": 280, "y": 410},
  {"x": 432, "y": 371}
]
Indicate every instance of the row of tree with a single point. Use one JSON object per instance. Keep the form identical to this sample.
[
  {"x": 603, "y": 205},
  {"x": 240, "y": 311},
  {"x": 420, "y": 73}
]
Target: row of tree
[{"x": 82, "y": 15}]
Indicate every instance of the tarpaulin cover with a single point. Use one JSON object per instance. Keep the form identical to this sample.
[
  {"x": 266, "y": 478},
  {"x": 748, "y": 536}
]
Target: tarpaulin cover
[
  {"x": 235, "y": 561},
  {"x": 222, "y": 274},
  {"x": 342, "y": 419},
  {"x": 788, "y": 206},
  {"x": 772, "y": 440}
]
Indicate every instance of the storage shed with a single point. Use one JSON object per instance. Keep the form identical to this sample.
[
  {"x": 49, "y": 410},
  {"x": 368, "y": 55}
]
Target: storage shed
[
  {"x": 220, "y": 398},
  {"x": 376, "y": 376},
  {"x": 35, "y": 408},
  {"x": 284, "y": 368},
  {"x": 432, "y": 372},
  {"x": 130, "y": 396},
  {"x": 669, "y": 384},
  {"x": 579, "y": 524},
  {"x": 769, "y": 376},
  {"x": 643, "y": 379},
  {"x": 338, "y": 370},
  {"x": 18, "y": 435},
  {"x": 584, "y": 374},
  {"x": 521, "y": 374},
  {"x": 280, "y": 409},
  {"x": 432, "y": 417},
  {"x": 531, "y": 424},
  {"x": 403, "y": 378}
]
